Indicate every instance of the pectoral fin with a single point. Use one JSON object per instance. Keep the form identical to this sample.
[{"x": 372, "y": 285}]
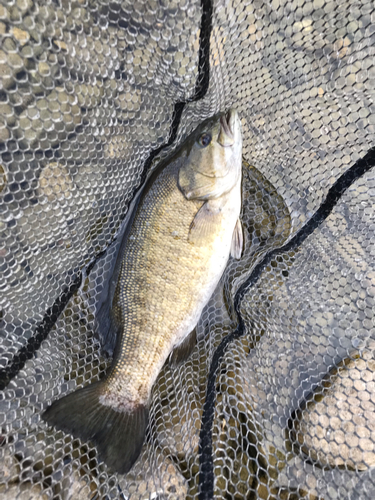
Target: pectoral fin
[
  {"x": 203, "y": 225},
  {"x": 183, "y": 350},
  {"x": 237, "y": 241}
]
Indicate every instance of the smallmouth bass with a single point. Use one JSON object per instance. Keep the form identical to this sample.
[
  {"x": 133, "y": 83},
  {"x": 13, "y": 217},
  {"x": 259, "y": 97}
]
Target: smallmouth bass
[{"x": 180, "y": 236}]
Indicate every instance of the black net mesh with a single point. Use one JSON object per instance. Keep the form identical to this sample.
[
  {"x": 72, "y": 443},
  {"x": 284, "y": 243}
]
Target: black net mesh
[{"x": 277, "y": 400}]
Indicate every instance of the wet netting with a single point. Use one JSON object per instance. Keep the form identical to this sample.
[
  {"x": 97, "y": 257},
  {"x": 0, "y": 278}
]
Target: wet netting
[{"x": 277, "y": 400}]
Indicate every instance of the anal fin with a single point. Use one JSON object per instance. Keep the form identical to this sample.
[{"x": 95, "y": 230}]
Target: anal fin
[
  {"x": 237, "y": 241},
  {"x": 181, "y": 352}
]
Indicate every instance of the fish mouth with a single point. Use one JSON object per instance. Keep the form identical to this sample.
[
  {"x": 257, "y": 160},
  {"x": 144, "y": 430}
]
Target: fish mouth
[{"x": 226, "y": 134}]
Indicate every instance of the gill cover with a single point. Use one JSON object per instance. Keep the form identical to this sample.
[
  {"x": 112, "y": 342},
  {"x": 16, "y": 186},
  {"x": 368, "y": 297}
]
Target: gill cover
[{"x": 213, "y": 158}]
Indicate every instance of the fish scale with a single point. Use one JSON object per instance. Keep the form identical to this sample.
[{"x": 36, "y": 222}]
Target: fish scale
[
  {"x": 180, "y": 236},
  {"x": 138, "y": 294}
]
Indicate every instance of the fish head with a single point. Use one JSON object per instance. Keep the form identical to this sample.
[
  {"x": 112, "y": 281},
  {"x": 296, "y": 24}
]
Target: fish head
[{"x": 213, "y": 157}]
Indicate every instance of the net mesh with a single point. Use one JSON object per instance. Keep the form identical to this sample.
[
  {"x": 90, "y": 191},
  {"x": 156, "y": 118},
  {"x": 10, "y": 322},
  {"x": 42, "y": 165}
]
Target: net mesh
[{"x": 92, "y": 94}]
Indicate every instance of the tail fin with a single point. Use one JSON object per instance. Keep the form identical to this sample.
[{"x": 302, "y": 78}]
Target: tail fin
[{"x": 117, "y": 435}]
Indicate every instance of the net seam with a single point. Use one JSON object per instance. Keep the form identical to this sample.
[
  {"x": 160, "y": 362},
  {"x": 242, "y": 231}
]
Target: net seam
[
  {"x": 206, "y": 470},
  {"x": 50, "y": 317}
]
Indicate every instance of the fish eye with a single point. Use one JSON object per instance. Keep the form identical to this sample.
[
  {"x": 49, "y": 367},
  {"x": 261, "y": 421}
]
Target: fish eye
[{"x": 205, "y": 139}]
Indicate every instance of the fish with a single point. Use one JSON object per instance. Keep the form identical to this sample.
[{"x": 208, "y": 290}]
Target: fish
[{"x": 183, "y": 229}]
